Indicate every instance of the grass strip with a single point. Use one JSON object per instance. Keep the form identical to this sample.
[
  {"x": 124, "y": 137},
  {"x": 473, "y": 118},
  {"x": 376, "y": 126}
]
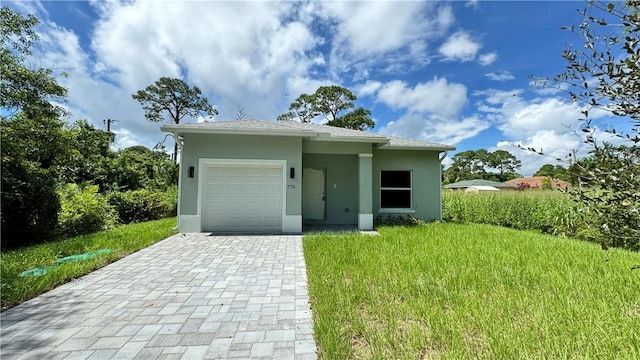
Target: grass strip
[
  {"x": 122, "y": 241},
  {"x": 451, "y": 291}
]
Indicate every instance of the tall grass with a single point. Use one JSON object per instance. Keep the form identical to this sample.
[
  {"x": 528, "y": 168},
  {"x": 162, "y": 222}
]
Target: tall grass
[
  {"x": 468, "y": 291},
  {"x": 122, "y": 240},
  {"x": 550, "y": 212}
]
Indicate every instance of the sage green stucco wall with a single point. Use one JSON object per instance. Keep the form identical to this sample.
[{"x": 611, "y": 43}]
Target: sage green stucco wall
[
  {"x": 208, "y": 146},
  {"x": 426, "y": 186},
  {"x": 341, "y": 186},
  {"x": 335, "y": 147}
]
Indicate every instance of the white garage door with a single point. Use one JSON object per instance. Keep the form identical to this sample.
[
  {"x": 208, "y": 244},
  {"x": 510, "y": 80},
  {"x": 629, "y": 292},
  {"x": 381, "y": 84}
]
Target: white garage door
[{"x": 242, "y": 198}]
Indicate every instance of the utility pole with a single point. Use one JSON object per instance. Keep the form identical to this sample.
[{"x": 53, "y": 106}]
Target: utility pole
[{"x": 112, "y": 136}]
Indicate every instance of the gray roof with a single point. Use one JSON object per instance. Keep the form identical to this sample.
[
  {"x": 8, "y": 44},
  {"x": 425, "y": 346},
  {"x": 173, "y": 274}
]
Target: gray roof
[
  {"x": 478, "y": 182},
  {"x": 404, "y": 143},
  {"x": 292, "y": 128},
  {"x": 232, "y": 125}
]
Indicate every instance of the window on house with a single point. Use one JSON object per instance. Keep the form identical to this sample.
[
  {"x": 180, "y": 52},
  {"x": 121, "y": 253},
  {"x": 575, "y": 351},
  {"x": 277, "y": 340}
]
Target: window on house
[{"x": 395, "y": 189}]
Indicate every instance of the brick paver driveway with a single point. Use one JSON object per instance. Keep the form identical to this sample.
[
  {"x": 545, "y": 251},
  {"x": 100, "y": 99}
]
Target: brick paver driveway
[{"x": 189, "y": 296}]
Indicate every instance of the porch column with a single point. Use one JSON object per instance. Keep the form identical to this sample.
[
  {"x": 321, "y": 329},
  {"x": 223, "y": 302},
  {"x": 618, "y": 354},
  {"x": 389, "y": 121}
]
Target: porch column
[{"x": 365, "y": 182}]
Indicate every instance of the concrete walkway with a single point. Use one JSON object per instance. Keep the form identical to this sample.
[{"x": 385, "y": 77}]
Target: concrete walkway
[{"x": 189, "y": 296}]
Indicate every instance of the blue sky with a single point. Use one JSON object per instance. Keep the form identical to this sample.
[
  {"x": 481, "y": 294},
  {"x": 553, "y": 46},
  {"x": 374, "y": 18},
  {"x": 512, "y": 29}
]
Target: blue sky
[{"x": 456, "y": 73}]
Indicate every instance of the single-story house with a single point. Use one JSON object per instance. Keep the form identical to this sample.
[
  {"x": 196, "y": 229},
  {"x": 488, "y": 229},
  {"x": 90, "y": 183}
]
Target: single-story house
[
  {"x": 475, "y": 189},
  {"x": 538, "y": 182},
  {"x": 258, "y": 176},
  {"x": 461, "y": 185}
]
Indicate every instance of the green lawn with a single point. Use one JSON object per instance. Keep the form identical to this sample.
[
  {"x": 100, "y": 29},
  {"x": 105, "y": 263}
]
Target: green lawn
[
  {"x": 122, "y": 240},
  {"x": 455, "y": 291}
]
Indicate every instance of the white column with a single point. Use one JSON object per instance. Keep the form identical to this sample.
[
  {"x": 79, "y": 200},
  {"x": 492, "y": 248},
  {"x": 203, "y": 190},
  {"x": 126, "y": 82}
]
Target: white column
[{"x": 365, "y": 198}]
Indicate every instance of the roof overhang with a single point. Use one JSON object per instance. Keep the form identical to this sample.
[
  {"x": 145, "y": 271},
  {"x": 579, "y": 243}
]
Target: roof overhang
[
  {"x": 416, "y": 147},
  {"x": 359, "y": 139},
  {"x": 315, "y": 134},
  {"x": 180, "y": 130},
  {"x": 311, "y": 135}
]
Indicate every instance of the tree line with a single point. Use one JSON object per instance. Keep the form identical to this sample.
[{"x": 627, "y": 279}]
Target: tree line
[
  {"x": 501, "y": 166},
  {"x": 61, "y": 179}
]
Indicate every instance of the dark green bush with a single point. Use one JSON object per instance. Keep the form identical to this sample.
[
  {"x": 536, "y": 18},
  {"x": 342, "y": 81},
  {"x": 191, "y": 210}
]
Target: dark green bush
[
  {"x": 398, "y": 220},
  {"x": 83, "y": 210},
  {"x": 143, "y": 205},
  {"x": 30, "y": 204}
]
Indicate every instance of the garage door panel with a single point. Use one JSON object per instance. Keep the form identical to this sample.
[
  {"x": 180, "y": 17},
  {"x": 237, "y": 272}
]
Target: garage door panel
[
  {"x": 214, "y": 192},
  {"x": 253, "y": 222},
  {"x": 215, "y": 172},
  {"x": 252, "y": 182},
  {"x": 214, "y": 205},
  {"x": 272, "y": 221},
  {"x": 234, "y": 221},
  {"x": 253, "y": 172},
  {"x": 254, "y": 188},
  {"x": 272, "y": 205},
  {"x": 243, "y": 198},
  {"x": 273, "y": 172},
  {"x": 272, "y": 179},
  {"x": 272, "y": 189},
  {"x": 234, "y": 189},
  {"x": 235, "y": 207},
  {"x": 234, "y": 171}
]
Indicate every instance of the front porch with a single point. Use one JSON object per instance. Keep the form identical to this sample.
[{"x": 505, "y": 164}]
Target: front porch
[{"x": 337, "y": 191}]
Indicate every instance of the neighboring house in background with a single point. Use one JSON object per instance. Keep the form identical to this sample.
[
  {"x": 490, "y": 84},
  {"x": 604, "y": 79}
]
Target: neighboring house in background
[
  {"x": 538, "y": 182},
  {"x": 475, "y": 189},
  {"x": 461, "y": 185},
  {"x": 272, "y": 177}
]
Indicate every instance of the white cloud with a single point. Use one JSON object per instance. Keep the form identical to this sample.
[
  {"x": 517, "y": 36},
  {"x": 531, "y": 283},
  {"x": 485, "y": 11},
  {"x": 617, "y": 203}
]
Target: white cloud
[
  {"x": 444, "y": 18},
  {"x": 500, "y": 76},
  {"x": 460, "y": 46},
  {"x": 124, "y": 139},
  {"x": 435, "y": 129},
  {"x": 369, "y": 88},
  {"x": 499, "y": 97},
  {"x": 546, "y": 124},
  {"x": 487, "y": 59},
  {"x": 28, "y": 7},
  {"x": 548, "y": 114},
  {"x": 430, "y": 110},
  {"x": 356, "y": 24},
  {"x": 251, "y": 64},
  {"x": 89, "y": 97},
  {"x": 437, "y": 96},
  {"x": 368, "y": 33},
  {"x": 554, "y": 145}
]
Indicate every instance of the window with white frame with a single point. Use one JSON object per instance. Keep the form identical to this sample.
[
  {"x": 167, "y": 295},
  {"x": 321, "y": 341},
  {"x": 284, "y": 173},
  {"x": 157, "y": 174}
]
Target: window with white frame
[{"x": 395, "y": 189}]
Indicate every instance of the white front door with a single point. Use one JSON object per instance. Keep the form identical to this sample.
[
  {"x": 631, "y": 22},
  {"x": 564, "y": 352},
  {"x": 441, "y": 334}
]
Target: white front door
[{"x": 313, "y": 197}]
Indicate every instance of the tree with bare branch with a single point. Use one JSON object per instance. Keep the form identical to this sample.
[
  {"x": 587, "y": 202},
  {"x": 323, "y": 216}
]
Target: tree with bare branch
[{"x": 173, "y": 97}]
